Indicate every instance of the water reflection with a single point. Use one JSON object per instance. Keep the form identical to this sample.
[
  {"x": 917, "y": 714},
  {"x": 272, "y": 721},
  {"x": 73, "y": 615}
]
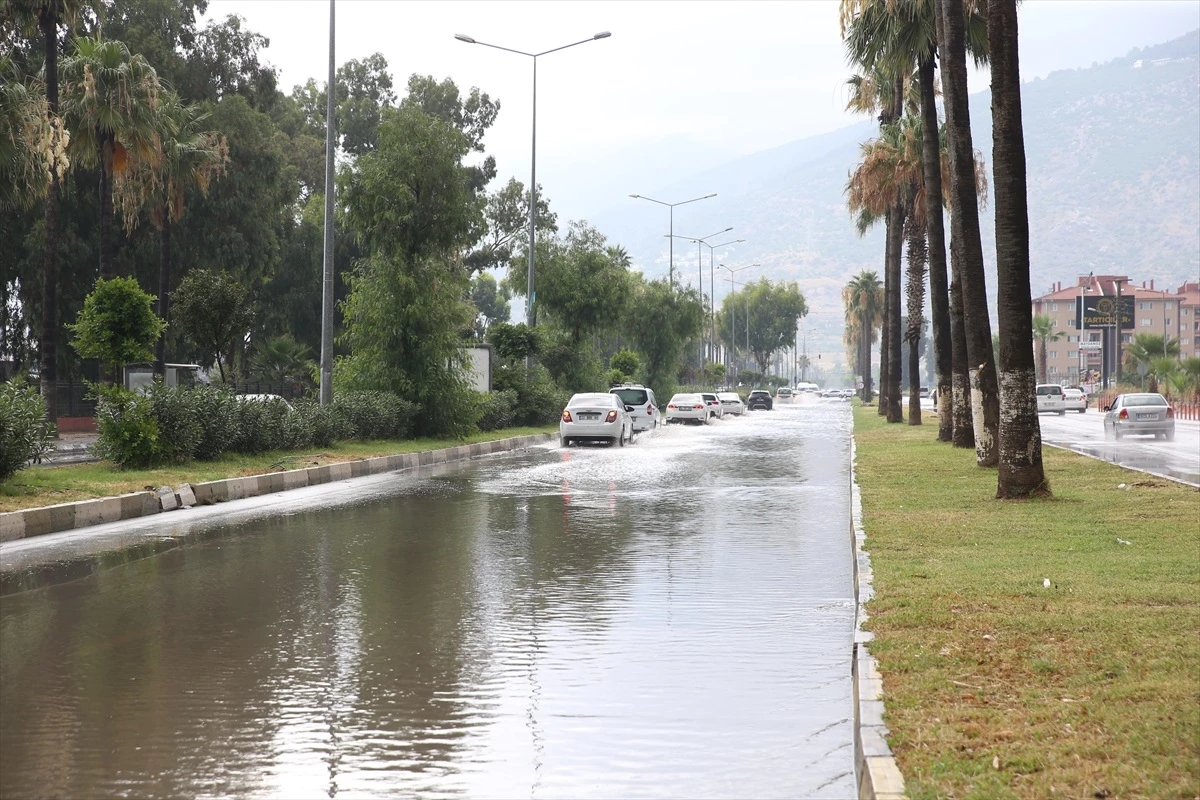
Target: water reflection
[{"x": 667, "y": 619}]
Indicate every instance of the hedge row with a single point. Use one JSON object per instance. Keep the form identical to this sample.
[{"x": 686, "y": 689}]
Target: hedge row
[{"x": 24, "y": 434}]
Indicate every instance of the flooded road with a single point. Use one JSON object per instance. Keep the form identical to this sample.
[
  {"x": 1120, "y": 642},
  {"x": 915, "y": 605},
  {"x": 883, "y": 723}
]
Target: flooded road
[{"x": 671, "y": 619}]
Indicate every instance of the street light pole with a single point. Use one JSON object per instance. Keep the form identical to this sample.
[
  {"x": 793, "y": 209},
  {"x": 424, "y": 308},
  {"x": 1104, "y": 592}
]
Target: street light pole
[
  {"x": 671, "y": 234},
  {"x": 326, "y": 388},
  {"x": 530, "y": 311},
  {"x": 733, "y": 308}
]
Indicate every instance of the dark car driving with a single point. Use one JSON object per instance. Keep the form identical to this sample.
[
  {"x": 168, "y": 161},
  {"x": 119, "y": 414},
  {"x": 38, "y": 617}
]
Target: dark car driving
[{"x": 760, "y": 399}]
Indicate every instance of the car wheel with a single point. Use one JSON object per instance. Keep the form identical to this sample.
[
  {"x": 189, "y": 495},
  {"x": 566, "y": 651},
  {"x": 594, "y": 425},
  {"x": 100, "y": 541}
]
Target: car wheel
[
  {"x": 1062, "y": 413},
  {"x": 566, "y": 441},
  {"x": 1117, "y": 432},
  {"x": 1169, "y": 436},
  {"x": 1083, "y": 410}
]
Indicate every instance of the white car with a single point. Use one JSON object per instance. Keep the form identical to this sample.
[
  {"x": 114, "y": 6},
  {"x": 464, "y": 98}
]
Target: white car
[
  {"x": 645, "y": 414},
  {"x": 731, "y": 403},
  {"x": 1075, "y": 400},
  {"x": 687, "y": 408},
  {"x": 715, "y": 409},
  {"x": 595, "y": 417},
  {"x": 1050, "y": 399}
]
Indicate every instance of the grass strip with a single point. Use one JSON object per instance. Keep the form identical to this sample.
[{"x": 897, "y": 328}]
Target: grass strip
[
  {"x": 44, "y": 486},
  {"x": 997, "y": 687}
]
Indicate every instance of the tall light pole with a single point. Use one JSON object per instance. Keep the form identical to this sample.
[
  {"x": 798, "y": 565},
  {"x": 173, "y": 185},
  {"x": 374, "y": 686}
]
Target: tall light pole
[
  {"x": 712, "y": 286},
  {"x": 530, "y": 313},
  {"x": 733, "y": 309},
  {"x": 326, "y": 392},
  {"x": 671, "y": 233}
]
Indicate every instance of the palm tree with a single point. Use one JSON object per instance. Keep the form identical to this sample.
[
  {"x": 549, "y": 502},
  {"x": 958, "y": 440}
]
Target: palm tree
[
  {"x": 1163, "y": 370},
  {"x": 46, "y": 17},
  {"x": 1020, "y": 435},
  {"x": 1042, "y": 331},
  {"x": 1191, "y": 373},
  {"x": 110, "y": 110},
  {"x": 964, "y": 225},
  {"x": 190, "y": 157},
  {"x": 1146, "y": 347},
  {"x": 283, "y": 360},
  {"x": 863, "y": 299}
]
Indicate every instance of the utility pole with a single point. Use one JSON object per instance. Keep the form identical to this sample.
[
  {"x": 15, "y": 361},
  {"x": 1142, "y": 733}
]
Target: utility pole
[{"x": 327, "y": 272}]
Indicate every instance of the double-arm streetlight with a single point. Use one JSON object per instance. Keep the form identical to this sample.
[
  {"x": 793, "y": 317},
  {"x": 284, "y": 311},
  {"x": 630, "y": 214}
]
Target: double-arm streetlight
[
  {"x": 733, "y": 309},
  {"x": 671, "y": 234},
  {"x": 712, "y": 297},
  {"x": 530, "y": 316}
]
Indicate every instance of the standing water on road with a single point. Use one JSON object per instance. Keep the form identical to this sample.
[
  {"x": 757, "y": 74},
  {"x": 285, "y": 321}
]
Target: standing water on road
[{"x": 668, "y": 619}]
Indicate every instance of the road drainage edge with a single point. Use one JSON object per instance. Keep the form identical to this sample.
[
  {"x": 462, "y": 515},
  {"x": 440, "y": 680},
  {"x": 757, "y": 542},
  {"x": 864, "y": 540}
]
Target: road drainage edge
[
  {"x": 30, "y": 522},
  {"x": 876, "y": 772}
]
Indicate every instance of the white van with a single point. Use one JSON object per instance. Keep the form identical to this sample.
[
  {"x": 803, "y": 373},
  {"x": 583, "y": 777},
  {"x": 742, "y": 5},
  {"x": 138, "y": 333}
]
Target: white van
[
  {"x": 1050, "y": 398},
  {"x": 645, "y": 414}
]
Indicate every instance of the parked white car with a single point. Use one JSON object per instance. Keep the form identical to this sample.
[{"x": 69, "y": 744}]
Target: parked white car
[
  {"x": 595, "y": 417},
  {"x": 1050, "y": 398},
  {"x": 1075, "y": 400},
  {"x": 645, "y": 414},
  {"x": 731, "y": 403},
  {"x": 687, "y": 408}
]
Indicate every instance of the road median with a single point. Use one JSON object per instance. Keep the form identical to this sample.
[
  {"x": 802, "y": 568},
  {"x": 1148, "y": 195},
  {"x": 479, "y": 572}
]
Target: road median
[
  {"x": 99, "y": 493},
  {"x": 999, "y": 685}
]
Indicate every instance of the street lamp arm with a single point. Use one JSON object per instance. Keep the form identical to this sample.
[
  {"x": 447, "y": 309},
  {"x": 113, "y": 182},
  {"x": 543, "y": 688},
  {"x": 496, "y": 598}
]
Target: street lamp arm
[{"x": 601, "y": 35}]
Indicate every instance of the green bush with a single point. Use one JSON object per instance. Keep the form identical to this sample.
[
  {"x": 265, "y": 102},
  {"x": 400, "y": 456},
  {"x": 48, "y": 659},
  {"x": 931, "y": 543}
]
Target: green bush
[
  {"x": 128, "y": 430},
  {"x": 376, "y": 415},
  {"x": 180, "y": 428},
  {"x": 322, "y": 425},
  {"x": 495, "y": 409},
  {"x": 263, "y": 425},
  {"x": 217, "y": 411},
  {"x": 539, "y": 400},
  {"x": 24, "y": 434}
]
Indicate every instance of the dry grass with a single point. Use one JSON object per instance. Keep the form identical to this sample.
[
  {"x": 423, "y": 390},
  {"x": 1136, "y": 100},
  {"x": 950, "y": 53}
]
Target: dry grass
[
  {"x": 998, "y": 687},
  {"x": 44, "y": 486}
]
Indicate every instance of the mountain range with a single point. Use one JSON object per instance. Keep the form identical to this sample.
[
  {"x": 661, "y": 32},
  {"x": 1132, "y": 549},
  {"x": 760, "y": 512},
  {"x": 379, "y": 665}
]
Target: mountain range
[{"x": 1113, "y": 155}]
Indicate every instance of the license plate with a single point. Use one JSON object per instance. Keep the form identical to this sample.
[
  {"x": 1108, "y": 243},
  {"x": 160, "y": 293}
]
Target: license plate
[
  {"x": 589, "y": 417},
  {"x": 1147, "y": 416}
]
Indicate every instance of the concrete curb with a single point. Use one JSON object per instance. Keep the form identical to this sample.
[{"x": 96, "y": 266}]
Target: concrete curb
[
  {"x": 68, "y": 516},
  {"x": 875, "y": 767}
]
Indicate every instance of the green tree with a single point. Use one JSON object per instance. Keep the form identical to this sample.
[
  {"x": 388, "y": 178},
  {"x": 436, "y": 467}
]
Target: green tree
[
  {"x": 580, "y": 284},
  {"x": 507, "y": 237},
  {"x": 1162, "y": 370},
  {"x": 109, "y": 108},
  {"x": 1145, "y": 348},
  {"x": 211, "y": 310},
  {"x": 625, "y": 362},
  {"x": 491, "y": 301},
  {"x": 774, "y": 311},
  {"x": 283, "y": 360},
  {"x": 863, "y": 301},
  {"x": 222, "y": 59},
  {"x": 117, "y": 324},
  {"x": 661, "y": 319},
  {"x": 1042, "y": 332},
  {"x": 364, "y": 90},
  {"x": 514, "y": 343}
]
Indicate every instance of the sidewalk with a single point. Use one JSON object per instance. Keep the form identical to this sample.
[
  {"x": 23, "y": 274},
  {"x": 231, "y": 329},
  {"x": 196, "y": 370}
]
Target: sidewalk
[{"x": 71, "y": 448}]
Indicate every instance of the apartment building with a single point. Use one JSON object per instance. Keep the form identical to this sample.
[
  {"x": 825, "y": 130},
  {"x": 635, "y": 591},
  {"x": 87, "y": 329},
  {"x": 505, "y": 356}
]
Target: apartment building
[{"x": 1085, "y": 356}]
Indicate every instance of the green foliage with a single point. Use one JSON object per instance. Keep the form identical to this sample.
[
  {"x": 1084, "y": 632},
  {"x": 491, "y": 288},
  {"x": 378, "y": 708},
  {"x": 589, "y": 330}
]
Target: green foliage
[
  {"x": 614, "y": 377},
  {"x": 491, "y": 301},
  {"x": 774, "y": 310},
  {"x": 625, "y": 361},
  {"x": 581, "y": 283},
  {"x": 539, "y": 401},
  {"x": 24, "y": 434},
  {"x": 283, "y": 360},
  {"x": 265, "y": 425},
  {"x": 181, "y": 427},
  {"x": 714, "y": 374},
  {"x": 573, "y": 365},
  {"x": 117, "y": 324},
  {"x": 210, "y": 307},
  {"x": 376, "y": 415},
  {"x": 507, "y": 238},
  {"x": 127, "y": 427},
  {"x": 514, "y": 342},
  {"x": 322, "y": 426},
  {"x": 660, "y": 320},
  {"x": 495, "y": 410}
]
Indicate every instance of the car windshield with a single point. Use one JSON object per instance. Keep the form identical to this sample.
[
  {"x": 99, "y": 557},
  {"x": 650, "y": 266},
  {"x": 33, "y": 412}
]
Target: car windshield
[
  {"x": 632, "y": 397},
  {"x": 761, "y": 392},
  {"x": 686, "y": 398},
  {"x": 1144, "y": 400},
  {"x": 729, "y": 396},
  {"x": 591, "y": 400},
  {"x": 1046, "y": 390}
]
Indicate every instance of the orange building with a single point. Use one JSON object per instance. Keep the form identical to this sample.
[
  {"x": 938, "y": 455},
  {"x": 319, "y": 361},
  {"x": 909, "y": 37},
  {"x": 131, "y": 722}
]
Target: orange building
[{"x": 1083, "y": 355}]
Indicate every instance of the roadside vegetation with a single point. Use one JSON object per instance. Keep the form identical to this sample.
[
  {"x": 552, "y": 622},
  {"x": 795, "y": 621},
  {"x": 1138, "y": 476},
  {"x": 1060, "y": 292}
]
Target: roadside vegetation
[
  {"x": 1000, "y": 687},
  {"x": 43, "y": 486}
]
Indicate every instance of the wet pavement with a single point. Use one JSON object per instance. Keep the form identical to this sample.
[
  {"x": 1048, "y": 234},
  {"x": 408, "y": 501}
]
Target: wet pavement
[
  {"x": 1084, "y": 433},
  {"x": 671, "y": 619}
]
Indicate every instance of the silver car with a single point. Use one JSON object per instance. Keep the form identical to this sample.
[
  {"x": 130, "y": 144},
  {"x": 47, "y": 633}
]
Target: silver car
[
  {"x": 595, "y": 417},
  {"x": 1143, "y": 413}
]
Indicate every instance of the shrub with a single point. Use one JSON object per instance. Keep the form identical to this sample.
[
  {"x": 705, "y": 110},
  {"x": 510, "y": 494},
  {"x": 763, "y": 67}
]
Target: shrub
[
  {"x": 218, "y": 412},
  {"x": 322, "y": 425},
  {"x": 127, "y": 427},
  {"x": 539, "y": 401},
  {"x": 376, "y": 415},
  {"x": 263, "y": 425},
  {"x": 117, "y": 323},
  {"x": 495, "y": 409},
  {"x": 24, "y": 434},
  {"x": 179, "y": 422}
]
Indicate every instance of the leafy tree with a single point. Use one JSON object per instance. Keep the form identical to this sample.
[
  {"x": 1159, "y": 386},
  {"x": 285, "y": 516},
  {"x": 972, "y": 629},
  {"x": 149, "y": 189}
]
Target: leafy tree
[
  {"x": 109, "y": 108},
  {"x": 507, "y": 217},
  {"x": 514, "y": 343},
  {"x": 1043, "y": 332},
  {"x": 117, "y": 324},
  {"x": 211, "y": 310},
  {"x": 24, "y": 433},
  {"x": 774, "y": 311},
  {"x": 580, "y": 284},
  {"x": 283, "y": 360},
  {"x": 471, "y": 116},
  {"x": 364, "y": 90},
  {"x": 491, "y": 301},
  {"x": 661, "y": 319},
  {"x": 625, "y": 361},
  {"x": 224, "y": 59}
]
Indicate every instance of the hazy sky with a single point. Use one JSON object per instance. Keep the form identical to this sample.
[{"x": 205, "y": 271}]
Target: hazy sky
[{"x": 679, "y": 87}]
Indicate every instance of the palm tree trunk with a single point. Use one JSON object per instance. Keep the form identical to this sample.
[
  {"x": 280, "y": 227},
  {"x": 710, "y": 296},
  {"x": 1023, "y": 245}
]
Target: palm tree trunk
[
  {"x": 1020, "y": 457},
  {"x": 106, "y": 208},
  {"x": 939, "y": 301},
  {"x": 964, "y": 222},
  {"x": 895, "y": 246},
  {"x": 1041, "y": 367},
  {"x": 164, "y": 287},
  {"x": 960, "y": 386},
  {"x": 48, "y": 341},
  {"x": 864, "y": 354},
  {"x": 915, "y": 298}
]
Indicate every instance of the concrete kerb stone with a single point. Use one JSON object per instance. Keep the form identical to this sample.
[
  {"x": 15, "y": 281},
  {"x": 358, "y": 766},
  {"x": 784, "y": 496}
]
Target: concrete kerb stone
[
  {"x": 876, "y": 771},
  {"x": 66, "y": 516}
]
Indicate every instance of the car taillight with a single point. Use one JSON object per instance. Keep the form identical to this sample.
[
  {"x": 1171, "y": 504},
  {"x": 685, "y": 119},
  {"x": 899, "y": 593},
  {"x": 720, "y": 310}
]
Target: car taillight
[
  {"x": 1124, "y": 414},
  {"x": 670, "y": 405},
  {"x": 566, "y": 417},
  {"x": 650, "y": 408},
  {"x": 1170, "y": 412},
  {"x": 612, "y": 416},
  {"x": 699, "y": 408}
]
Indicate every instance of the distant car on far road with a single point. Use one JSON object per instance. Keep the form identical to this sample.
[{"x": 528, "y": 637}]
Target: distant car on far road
[
  {"x": 1142, "y": 413},
  {"x": 731, "y": 403},
  {"x": 784, "y": 393},
  {"x": 1050, "y": 398},
  {"x": 1075, "y": 400},
  {"x": 760, "y": 399}
]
